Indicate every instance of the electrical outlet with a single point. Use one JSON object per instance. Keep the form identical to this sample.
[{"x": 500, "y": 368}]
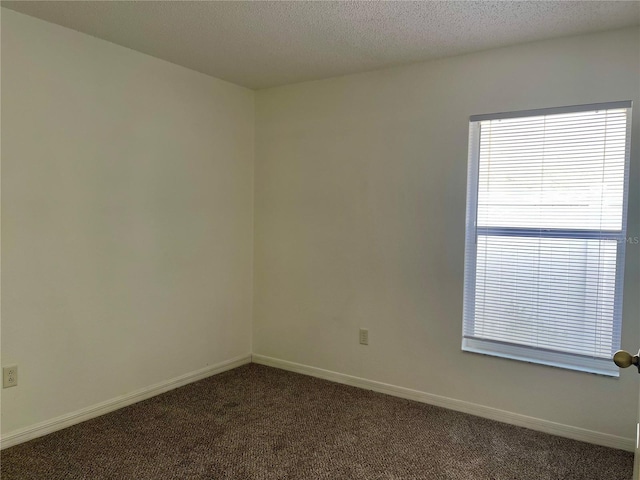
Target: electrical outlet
[
  {"x": 9, "y": 376},
  {"x": 364, "y": 336}
]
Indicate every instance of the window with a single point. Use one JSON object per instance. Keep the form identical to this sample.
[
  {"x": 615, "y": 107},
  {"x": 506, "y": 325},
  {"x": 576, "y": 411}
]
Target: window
[{"x": 545, "y": 235}]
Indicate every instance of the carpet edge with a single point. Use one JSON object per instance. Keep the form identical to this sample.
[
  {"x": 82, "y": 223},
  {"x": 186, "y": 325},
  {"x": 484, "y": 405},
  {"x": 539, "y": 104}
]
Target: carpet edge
[
  {"x": 533, "y": 423},
  {"x": 63, "y": 421}
]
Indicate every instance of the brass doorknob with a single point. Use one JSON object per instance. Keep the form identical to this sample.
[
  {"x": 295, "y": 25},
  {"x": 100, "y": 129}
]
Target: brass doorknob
[{"x": 624, "y": 359}]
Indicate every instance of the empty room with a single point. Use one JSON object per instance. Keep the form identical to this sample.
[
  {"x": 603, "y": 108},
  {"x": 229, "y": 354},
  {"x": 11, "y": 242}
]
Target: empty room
[{"x": 320, "y": 240}]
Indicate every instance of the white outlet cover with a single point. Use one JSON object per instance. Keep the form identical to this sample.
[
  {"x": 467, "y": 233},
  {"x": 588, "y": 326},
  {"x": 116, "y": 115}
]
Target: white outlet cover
[{"x": 10, "y": 376}]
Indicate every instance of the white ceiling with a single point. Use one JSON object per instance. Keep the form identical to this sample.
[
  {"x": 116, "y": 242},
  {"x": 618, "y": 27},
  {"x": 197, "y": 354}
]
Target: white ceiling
[{"x": 263, "y": 43}]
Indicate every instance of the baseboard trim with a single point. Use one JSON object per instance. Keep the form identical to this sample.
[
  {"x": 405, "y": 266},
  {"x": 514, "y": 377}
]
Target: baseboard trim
[
  {"x": 49, "y": 426},
  {"x": 504, "y": 416}
]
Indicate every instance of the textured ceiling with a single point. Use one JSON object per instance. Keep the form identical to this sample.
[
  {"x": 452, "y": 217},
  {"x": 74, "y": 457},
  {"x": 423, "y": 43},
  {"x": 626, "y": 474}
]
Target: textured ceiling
[{"x": 262, "y": 44}]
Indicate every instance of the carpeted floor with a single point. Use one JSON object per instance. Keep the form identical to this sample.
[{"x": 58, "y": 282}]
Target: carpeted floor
[{"x": 257, "y": 422}]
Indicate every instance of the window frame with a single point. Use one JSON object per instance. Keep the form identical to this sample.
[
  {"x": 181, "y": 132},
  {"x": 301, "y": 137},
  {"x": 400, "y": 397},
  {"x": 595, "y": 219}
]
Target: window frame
[{"x": 530, "y": 353}]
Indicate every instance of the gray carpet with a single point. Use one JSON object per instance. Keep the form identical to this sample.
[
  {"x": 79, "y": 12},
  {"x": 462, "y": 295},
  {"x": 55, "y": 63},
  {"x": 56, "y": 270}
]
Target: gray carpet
[{"x": 257, "y": 422}]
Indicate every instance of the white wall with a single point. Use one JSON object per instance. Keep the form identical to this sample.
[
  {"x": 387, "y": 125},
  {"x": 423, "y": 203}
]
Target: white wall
[
  {"x": 127, "y": 191},
  {"x": 127, "y": 186},
  {"x": 360, "y": 215}
]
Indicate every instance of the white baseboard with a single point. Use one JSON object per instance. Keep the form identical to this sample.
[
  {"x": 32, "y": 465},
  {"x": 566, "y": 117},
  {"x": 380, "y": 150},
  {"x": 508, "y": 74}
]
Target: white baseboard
[
  {"x": 532, "y": 423},
  {"x": 63, "y": 421},
  {"x": 568, "y": 431}
]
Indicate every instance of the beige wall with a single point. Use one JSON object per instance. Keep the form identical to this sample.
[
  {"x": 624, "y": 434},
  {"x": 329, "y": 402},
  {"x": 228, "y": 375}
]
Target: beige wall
[
  {"x": 360, "y": 216},
  {"x": 126, "y": 220}
]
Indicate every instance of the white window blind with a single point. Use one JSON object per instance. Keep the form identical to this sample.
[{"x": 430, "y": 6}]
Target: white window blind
[{"x": 546, "y": 231}]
